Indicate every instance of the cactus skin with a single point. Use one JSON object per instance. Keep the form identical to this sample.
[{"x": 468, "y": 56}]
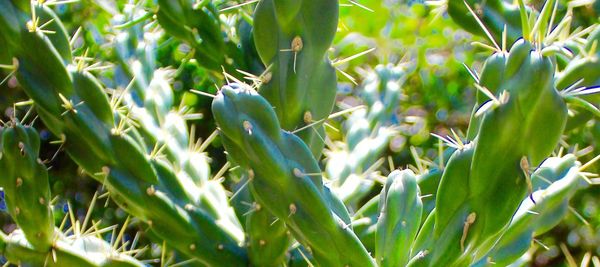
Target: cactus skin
[
  {"x": 268, "y": 238},
  {"x": 552, "y": 202},
  {"x": 287, "y": 180},
  {"x": 36, "y": 242},
  {"x": 86, "y": 120},
  {"x": 292, "y": 38},
  {"x": 485, "y": 171},
  {"x": 25, "y": 182},
  {"x": 440, "y": 235},
  {"x": 399, "y": 220},
  {"x": 524, "y": 125}
]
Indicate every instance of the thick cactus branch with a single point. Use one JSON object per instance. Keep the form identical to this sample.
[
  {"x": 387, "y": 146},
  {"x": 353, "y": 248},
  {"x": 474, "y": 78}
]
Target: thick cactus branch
[{"x": 287, "y": 179}]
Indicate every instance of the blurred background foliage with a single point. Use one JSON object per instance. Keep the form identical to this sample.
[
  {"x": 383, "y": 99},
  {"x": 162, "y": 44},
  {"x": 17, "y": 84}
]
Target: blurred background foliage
[{"x": 437, "y": 95}]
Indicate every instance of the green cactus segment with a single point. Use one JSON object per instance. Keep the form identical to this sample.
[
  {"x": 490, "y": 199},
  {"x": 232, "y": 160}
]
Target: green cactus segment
[
  {"x": 25, "y": 182},
  {"x": 72, "y": 103},
  {"x": 399, "y": 220},
  {"x": 292, "y": 39},
  {"x": 199, "y": 25},
  {"x": 88, "y": 251},
  {"x": 583, "y": 71},
  {"x": 27, "y": 195},
  {"x": 533, "y": 219},
  {"x": 9, "y": 28},
  {"x": 268, "y": 238},
  {"x": 368, "y": 132},
  {"x": 287, "y": 180},
  {"x": 519, "y": 133},
  {"x": 495, "y": 167},
  {"x": 439, "y": 241},
  {"x": 584, "y": 67},
  {"x": 494, "y": 14}
]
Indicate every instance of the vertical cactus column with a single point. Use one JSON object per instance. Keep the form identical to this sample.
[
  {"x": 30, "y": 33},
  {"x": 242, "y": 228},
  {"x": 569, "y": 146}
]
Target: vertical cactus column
[
  {"x": 27, "y": 193},
  {"x": 399, "y": 220},
  {"x": 287, "y": 179},
  {"x": 555, "y": 181},
  {"x": 525, "y": 109},
  {"x": 25, "y": 182},
  {"x": 292, "y": 39}
]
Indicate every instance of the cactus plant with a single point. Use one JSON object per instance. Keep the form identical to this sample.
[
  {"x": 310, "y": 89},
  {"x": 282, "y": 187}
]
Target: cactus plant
[
  {"x": 271, "y": 203},
  {"x": 37, "y": 242}
]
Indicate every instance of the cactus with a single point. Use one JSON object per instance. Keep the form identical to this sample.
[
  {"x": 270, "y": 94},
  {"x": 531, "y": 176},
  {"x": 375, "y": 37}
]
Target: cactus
[
  {"x": 286, "y": 179},
  {"x": 25, "y": 183},
  {"x": 72, "y": 103},
  {"x": 399, "y": 220},
  {"x": 283, "y": 209},
  {"x": 496, "y": 15},
  {"x": 27, "y": 194},
  {"x": 368, "y": 134},
  {"x": 292, "y": 39},
  {"x": 533, "y": 219},
  {"x": 515, "y": 118}
]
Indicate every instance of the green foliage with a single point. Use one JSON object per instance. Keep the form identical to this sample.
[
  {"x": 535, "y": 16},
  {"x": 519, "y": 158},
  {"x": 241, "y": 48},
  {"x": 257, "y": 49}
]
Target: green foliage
[{"x": 302, "y": 177}]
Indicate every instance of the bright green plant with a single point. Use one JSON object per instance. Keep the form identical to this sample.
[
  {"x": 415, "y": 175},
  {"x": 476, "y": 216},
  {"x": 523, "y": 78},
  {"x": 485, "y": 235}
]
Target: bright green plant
[
  {"x": 38, "y": 242},
  {"x": 505, "y": 181}
]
